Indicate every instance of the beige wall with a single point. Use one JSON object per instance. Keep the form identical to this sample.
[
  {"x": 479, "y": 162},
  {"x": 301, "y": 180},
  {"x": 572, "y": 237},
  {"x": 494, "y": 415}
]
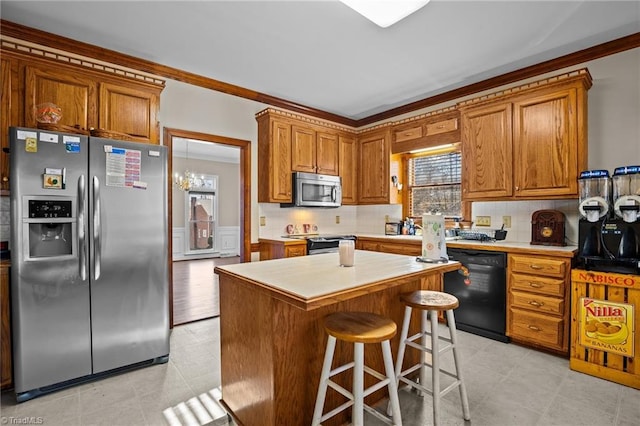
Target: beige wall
[{"x": 228, "y": 189}]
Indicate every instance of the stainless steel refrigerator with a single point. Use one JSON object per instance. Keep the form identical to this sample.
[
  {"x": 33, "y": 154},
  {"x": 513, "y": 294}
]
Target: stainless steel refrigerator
[{"x": 89, "y": 270}]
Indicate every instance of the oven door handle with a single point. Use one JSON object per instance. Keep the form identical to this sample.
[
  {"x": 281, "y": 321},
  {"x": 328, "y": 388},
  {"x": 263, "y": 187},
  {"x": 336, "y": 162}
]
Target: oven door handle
[{"x": 325, "y": 250}]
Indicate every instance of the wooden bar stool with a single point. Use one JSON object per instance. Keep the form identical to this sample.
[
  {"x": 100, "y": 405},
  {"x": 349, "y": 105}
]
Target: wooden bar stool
[
  {"x": 359, "y": 328},
  {"x": 430, "y": 303}
]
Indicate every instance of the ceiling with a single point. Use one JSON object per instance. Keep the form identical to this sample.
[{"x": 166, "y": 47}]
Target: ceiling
[{"x": 323, "y": 55}]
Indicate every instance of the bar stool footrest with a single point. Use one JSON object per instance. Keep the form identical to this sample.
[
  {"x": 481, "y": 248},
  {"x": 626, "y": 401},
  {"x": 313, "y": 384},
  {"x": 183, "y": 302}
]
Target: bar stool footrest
[{"x": 378, "y": 414}]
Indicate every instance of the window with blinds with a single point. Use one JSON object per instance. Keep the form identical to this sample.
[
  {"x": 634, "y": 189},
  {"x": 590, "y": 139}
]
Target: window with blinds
[{"x": 434, "y": 184}]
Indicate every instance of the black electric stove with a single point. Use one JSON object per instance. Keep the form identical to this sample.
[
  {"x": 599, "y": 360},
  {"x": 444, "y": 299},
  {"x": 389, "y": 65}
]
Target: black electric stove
[{"x": 317, "y": 244}]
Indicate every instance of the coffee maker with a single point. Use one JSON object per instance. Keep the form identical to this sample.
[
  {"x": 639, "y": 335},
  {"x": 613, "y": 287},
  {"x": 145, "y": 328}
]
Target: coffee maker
[{"x": 609, "y": 228}]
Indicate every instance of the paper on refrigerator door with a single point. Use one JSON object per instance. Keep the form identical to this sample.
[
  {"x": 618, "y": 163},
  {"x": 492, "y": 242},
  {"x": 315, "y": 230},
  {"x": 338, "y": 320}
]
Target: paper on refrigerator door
[{"x": 433, "y": 243}]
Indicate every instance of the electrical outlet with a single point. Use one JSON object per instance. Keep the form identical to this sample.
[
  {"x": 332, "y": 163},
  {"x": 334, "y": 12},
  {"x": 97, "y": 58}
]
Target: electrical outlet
[
  {"x": 337, "y": 219},
  {"x": 386, "y": 218},
  {"x": 506, "y": 220},
  {"x": 263, "y": 221},
  {"x": 483, "y": 220}
]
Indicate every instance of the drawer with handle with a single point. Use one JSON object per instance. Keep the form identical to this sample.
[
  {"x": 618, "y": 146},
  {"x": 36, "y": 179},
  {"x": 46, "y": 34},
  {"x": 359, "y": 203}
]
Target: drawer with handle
[
  {"x": 442, "y": 127},
  {"x": 550, "y": 286},
  {"x": 411, "y": 133},
  {"x": 537, "y": 328},
  {"x": 538, "y": 266},
  {"x": 537, "y": 302}
]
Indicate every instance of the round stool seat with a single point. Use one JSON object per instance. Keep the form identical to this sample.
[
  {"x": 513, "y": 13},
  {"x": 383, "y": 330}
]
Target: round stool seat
[
  {"x": 360, "y": 327},
  {"x": 430, "y": 300}
]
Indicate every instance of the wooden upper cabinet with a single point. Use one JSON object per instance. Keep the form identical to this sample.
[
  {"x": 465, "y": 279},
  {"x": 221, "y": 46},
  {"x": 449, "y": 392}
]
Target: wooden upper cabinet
[
  {"x": 289, "y": 143},
  {"x": 348, "y": 167},
  {"x": 274, "y": 160},
  {"x": 487, "y": 152},
  {"x": 74, "y": 93},
  {"x": 546, "y": 144},
  {"x": 528, "y": 142},
  {"x": 89, "y": 96},
  {"x": 129, "y": 110},
  {"x": 303, "y": 149},
  {"x": 5, "y": 120},
  {"x": 425, "y": 131},
  {"x": 374, "y": 155},
  {"x": 327, "y": 153},
  {"x": 314, "y": 150}
]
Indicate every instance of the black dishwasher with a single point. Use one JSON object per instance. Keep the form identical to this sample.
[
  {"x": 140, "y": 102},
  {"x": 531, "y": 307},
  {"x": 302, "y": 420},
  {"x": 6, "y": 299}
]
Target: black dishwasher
[{"x": 482, "y": 309}]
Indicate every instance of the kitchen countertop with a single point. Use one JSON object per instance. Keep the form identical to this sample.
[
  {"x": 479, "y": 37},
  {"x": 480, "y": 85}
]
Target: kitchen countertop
[
  {"x": 506, "y": 246},
  {"x": 306, "y": 278}
]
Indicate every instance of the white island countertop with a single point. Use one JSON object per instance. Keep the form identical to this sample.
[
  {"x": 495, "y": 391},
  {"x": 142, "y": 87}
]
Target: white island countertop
[{"x": 309, "y": 278}]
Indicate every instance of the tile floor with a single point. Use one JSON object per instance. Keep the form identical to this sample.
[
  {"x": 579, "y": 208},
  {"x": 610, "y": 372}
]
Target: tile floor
[{"x": 507, "y": 385}]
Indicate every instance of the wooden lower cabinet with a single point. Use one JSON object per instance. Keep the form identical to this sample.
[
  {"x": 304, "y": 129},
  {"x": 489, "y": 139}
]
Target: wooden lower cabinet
[
  {"x": 275, "y": 249},
  {"x": 410, "y": 248},
  {"x": 6, "y": 376},
  {"x": 537, "y": 301}
]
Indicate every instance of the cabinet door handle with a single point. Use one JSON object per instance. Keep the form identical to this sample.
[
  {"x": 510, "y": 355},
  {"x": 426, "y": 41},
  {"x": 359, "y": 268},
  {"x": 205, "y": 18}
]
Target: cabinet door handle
[
  {"x": 534, "y": 266},
  {"x": 535, "y": 303},
  {"x": 535, "y": 285},
  {"x": 534, "y": 328}
]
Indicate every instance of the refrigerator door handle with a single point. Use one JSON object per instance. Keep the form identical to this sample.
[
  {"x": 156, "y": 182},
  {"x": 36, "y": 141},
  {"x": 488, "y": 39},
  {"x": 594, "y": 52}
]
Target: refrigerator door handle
[
  {"x": 97, "y": 231},
  {"x": 82, "y": 237}
]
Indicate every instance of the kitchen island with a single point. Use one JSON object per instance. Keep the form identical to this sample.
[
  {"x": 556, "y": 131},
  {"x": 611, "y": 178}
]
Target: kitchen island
[{"x": 272, "y": 338}]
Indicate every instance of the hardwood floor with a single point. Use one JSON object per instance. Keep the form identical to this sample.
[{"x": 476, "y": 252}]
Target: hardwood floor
[{"x": 195, "y": 289}]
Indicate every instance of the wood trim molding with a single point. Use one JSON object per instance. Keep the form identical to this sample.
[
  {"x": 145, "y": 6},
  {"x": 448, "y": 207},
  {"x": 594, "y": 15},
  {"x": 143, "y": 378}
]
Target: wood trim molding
[
  {"x": 304, "y": 118},
  {"x": 425, "y": 115},
  {"x": 245, "y": 195},
  {"x": 43, "y": 38},
  {"x": 10, "y": 45},
  {"x": 581, "y": 74}
]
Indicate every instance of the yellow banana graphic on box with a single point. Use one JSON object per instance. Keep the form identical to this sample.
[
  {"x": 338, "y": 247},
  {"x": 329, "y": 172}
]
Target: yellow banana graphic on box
[{"x": 615, "y": 338}]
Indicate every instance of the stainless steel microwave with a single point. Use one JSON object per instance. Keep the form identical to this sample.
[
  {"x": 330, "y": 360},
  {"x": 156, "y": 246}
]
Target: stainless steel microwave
[{"x": 315, "y": 190}]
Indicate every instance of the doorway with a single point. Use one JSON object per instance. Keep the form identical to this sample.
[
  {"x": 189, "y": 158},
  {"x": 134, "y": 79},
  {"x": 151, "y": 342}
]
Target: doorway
[{"x": 198, "y": 187}]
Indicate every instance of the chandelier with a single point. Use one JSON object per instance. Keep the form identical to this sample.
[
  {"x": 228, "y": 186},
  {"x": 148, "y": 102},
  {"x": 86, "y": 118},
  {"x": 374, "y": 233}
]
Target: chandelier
[{"x": 185, "y": 180}]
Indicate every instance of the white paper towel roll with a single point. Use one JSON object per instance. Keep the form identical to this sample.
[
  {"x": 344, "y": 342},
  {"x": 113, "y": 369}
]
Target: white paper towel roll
[{"x": 433, "y": 242}]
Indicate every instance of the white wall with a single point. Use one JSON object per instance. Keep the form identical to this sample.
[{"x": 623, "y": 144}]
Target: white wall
[
  {"x": 614, "y": 140},
  {"x": 192, "y": 108},
  {"x": 614, "y": 111}
]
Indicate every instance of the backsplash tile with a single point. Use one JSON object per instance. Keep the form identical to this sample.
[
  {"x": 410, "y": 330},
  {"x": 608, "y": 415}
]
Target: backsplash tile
[
  {"x": 370, "y": 219},
  {"x": 521, "y": 211},
  {"x": 353, "y": 219}
]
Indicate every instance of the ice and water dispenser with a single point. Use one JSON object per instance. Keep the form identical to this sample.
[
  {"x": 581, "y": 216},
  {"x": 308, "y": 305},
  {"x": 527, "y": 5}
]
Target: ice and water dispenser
[
  {"x": 609, "y": 229},
  {"x": 48, "y": 226}
]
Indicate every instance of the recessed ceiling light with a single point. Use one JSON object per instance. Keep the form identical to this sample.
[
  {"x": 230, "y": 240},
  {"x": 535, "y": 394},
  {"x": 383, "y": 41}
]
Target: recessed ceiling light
[{"x": 385, "y": 12}]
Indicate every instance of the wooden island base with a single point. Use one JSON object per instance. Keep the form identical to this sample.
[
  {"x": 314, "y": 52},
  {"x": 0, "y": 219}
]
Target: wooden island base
[{"x": 272, "y": 343}]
